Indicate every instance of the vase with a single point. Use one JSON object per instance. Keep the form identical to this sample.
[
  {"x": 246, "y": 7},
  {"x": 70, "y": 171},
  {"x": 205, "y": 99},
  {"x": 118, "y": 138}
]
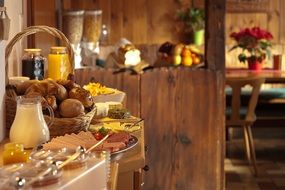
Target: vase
[
  {"x": 255, "y": 65},
  {"x": 198, "y": 37}
]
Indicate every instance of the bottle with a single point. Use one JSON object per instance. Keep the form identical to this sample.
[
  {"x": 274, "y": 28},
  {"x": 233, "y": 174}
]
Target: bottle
[
  {"x": 14, "y": 153},
  {"x": 33, "y": 64},
  {"x": 58, "y": 63}
]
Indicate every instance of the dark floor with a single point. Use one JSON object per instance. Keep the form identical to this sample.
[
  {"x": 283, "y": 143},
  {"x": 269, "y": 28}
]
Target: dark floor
[{"x": 270, "y": 155}]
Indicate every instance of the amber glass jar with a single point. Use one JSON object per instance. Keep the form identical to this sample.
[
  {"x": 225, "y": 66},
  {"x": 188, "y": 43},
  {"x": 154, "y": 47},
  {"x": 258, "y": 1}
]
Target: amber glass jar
[
  {"x": 58, "y": 63},
  {"x": 14, "y": 153},
  {"x": 33, "y": 64}
]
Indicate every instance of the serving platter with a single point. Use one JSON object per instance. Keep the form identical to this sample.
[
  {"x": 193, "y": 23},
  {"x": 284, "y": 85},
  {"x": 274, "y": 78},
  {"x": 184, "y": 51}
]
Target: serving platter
[{"x": 133, "y": 141}]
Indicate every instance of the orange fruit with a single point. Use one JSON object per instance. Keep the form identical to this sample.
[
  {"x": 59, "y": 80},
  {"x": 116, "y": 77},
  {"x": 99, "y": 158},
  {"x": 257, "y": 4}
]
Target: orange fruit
[
  {"x": 196, "y": 60},
  {"x": 186, "y": 52},
  {"x": 187, "y": 60}
]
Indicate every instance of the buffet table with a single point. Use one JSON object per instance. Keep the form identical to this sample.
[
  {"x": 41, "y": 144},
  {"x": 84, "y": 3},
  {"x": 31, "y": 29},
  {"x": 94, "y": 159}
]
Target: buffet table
[
  {"x": 131, "y": 164},
  {"x": 129, "y": 172}
]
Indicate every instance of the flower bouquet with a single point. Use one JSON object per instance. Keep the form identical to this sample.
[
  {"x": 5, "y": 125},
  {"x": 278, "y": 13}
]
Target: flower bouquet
[{"x": 255, "y": 43}]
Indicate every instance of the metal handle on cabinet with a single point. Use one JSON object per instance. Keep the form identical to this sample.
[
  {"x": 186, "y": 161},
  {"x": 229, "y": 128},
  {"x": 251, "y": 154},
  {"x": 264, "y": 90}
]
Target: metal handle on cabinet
[
  {"x": 145, "y": 148},
  {"x": 146, "y": 168}
]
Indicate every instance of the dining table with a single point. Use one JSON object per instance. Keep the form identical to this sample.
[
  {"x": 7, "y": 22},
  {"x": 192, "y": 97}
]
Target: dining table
[
  {"x": 271, "y": 76},
  {"x": 271, "y": 99}
]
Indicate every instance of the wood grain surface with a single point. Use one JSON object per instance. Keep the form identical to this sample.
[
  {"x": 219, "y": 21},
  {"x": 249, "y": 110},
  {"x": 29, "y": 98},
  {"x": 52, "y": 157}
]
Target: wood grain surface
[{"x": 184, "y": 130}]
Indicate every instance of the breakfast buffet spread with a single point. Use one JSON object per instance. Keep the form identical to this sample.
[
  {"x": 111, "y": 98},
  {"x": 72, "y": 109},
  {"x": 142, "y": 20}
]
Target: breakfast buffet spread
[
  {"x": 60, "y": 131},
  {"x": 109, "y": 134}
]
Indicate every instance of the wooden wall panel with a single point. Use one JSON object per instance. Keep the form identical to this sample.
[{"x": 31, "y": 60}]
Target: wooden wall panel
[
  {"x": 44, "y": 15},
  {"x": 116, "y": 30},
  {"x": 247, "y": 5},
  {"x": 153, "y": 22},
  {"x": 177, "y": 132},
  {"x": 269, "y": 17},
  {"x": 185, "y": 150},
  {"x": 141, "y": 21},
  {"x": 282, "y": 23},
  {"x": 236, "y": 21}
]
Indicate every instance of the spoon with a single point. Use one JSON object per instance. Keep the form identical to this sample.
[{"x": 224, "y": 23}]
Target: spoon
[{"x": 129, "y": 126}]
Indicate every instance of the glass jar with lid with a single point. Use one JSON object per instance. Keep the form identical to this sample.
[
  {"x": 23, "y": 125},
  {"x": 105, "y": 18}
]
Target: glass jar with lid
[
  {"x": 33, "y": 64},
  {"x": 58, "y": 63},
  {"x": 73, "y": 26},
  {"x": 14, "y": 153},
  {"x": 92, "y": 29}
]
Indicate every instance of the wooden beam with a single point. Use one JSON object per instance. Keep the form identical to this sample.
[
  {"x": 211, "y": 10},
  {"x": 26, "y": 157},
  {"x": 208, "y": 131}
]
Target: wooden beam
[
  {"x": 248, "y": 6},
  {"x": 215, "y": 34},
  {"x": 282, "y": 22},
  {"x": 31, "y": 22}
]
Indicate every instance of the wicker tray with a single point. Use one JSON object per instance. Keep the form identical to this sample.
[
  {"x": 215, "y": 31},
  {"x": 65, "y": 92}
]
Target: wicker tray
[{"x": 60, "y": 126}]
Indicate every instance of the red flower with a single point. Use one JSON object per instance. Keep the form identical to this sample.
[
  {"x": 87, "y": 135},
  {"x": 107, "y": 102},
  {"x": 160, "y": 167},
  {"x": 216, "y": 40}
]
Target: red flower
[
  {"x": 254, "y": 32},
  {"x": 254, "y": 40}
]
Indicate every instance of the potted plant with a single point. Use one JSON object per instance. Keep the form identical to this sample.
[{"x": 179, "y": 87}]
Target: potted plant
[
  {"x": 194, "y": 21},
  {"x": 255, "y": 43}
]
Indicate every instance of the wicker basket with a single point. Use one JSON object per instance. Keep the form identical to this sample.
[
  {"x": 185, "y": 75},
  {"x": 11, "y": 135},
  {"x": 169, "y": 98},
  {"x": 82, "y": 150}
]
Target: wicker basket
[{"x": 60, "y": 126}]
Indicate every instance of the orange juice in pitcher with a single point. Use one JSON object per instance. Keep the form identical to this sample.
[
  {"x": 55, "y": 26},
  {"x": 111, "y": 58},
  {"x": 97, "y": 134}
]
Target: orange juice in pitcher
[{"x": 58, "y": 63}]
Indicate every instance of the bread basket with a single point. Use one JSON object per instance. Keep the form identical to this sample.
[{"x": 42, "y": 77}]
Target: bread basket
[{"x": 60, "y": 126}]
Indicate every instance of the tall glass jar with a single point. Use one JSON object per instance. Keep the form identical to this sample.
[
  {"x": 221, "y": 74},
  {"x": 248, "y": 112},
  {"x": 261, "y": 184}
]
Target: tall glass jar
[
  {"x": 33, "y": 64},
  {"x": 92, "y": 29},
  {"x": 73, "y": 26},
  {"x": 58, "y": 63}
]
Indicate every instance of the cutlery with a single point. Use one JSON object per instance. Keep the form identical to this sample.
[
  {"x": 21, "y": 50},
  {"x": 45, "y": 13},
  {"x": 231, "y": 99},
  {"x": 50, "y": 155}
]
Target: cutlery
[{"x": 129, "y": 126}]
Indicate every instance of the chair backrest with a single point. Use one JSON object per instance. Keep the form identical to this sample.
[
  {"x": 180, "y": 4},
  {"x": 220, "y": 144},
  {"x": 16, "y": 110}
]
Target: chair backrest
[{"x": 237, "y": 84}]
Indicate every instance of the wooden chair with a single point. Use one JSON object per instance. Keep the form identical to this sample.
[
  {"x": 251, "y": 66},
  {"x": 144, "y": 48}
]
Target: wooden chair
[{"x": 237, "y": 115}]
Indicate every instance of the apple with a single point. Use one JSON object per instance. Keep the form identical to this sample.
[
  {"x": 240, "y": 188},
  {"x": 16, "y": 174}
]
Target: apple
[{"x": 177, "y": 59}]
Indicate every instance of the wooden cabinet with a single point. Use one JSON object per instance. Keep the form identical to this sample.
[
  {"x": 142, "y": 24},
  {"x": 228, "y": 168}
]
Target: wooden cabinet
[
  {"x": 182, "y": 109},
  {"x": 131, "y": 164}
]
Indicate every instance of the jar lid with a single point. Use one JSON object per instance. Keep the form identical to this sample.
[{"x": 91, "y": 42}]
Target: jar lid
[
  {"x": 93, "y": 12},
  {"x": 73, "y": 13},
  {"x": 14, "y": 146},
  {"x": 58, "y": 49},
  {"x": 33, "y": 50}
]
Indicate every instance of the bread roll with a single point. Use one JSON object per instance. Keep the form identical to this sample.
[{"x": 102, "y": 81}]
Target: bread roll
[
  {"x": 82, "y": 95},
  {"x": 62, "y": 93},
  {"x": 71, "y": 108},
  {"x": 48, "y": 87},
  {"x": 68, "y": 84},
  {"x": 21, "y": 88},
  {"x": 51, "y": 100},
  {"x": 40, "y": 88}
]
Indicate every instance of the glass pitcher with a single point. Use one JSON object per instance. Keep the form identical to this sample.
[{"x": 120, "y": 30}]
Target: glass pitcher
[{"x": 29, "y": 126}]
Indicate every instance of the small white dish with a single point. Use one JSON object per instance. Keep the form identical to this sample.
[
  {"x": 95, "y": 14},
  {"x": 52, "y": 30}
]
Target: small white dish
[{"x": 17, "y": 80}]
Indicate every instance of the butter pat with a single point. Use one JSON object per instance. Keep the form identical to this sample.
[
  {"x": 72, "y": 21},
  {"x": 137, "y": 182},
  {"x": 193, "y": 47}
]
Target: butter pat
[{"x": 115, "y": 105}]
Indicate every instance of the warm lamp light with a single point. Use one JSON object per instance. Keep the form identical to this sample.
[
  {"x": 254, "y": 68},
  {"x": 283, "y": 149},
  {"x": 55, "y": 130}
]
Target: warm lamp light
[{"x": 132, "y": 57}]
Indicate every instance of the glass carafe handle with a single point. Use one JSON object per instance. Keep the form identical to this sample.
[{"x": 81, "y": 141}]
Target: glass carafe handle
[{"x": 51, "y": 113}]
